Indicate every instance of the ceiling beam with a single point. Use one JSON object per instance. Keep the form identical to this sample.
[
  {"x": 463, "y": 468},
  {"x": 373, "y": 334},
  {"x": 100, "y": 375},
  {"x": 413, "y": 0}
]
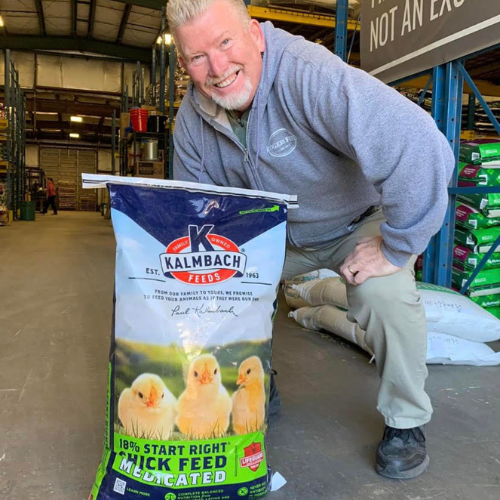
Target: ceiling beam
[
  {"x": 87, "y": 56},
  {"x": 149, "y": 4},
  {"x": 41, "y": 18},
  {"x": 73, "y": 126},
  {"x": 71, "y": 108},
  {"x": 54, "y": 139},
  {"x": 61, "y": 44},
  {"x": 486, "y": 88},
  {"x": 74, "y": 92},
  {"x": 484, "y": 69},
  {"x": 74, "y": 16},
  {"x": 296, "y": 17},
  {"x": 91, "y": 20},
  {"x": 123, "y": 23}
]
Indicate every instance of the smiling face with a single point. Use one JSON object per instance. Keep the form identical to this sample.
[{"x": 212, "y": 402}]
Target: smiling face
[{"x": 222, "y": 55}]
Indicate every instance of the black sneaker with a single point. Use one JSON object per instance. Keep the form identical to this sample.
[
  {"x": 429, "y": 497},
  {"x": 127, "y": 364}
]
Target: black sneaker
[
  {"x": 402, "y": 453},
  {"x": 274, "y": 396}
]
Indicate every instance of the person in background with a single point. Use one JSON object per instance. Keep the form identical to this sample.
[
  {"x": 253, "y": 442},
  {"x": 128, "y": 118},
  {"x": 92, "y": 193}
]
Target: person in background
[
  {"x": 270, "y": 111},
  {"x": 51, "y": 197}
]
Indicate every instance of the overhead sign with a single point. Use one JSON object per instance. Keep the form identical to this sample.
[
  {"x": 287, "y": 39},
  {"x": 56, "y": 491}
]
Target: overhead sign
[{"x": 400, "y": 38}]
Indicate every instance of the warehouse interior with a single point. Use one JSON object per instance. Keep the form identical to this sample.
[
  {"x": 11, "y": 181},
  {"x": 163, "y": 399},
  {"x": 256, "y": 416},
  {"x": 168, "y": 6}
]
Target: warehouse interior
[{"x": 93, "y": 87}]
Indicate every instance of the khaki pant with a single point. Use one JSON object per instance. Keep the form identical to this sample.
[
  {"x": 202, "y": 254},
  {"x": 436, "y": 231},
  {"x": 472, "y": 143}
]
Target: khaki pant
[{"x": 390, "y": 310}]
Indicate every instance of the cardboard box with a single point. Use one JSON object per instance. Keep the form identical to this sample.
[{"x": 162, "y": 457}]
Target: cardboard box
[{"x": 150, "y": 169}]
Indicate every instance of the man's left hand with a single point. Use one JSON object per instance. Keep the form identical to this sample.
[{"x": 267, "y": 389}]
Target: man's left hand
[{"x": 367, "y": 261}]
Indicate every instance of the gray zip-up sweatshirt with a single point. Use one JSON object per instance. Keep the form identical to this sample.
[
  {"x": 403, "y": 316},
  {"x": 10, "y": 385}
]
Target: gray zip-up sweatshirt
[{"x": 333, "y": 135}]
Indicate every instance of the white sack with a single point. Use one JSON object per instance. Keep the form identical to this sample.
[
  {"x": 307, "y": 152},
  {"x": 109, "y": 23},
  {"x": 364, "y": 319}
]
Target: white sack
[
  {"x": 441, "y": 348},
  {"x": 445, "y": 349},
  {"x": 446, "y": 311},
  {"x": 331, "y": 319},
  {"x": 449, "y": 312},
  {"x": 293, "y": 298},
  {"x": 329, "y": 291},
  {"x": 318, "y": 274}
]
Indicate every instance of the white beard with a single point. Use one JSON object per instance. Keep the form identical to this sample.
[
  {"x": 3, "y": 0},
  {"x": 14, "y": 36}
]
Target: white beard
[{"x": 234, "y": 100}]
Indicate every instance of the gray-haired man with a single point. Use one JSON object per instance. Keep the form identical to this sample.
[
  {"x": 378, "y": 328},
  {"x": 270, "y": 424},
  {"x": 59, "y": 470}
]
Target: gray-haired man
[{"x": 271, "y": 111}]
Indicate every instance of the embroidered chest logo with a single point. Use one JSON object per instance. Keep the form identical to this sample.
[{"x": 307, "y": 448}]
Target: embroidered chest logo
[
  {"x": 202, "y": 258},
  {"x": 281, "y": 143}
]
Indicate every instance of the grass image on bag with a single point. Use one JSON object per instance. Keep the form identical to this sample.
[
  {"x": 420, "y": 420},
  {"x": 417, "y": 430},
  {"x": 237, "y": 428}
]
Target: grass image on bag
[{"x": 197, "y": 272}]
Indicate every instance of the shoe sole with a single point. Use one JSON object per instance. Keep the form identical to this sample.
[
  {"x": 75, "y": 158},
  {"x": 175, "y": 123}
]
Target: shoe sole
[{"x": 408, "y": 474}]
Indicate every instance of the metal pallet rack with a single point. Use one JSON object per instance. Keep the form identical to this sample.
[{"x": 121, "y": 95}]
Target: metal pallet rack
[
  {"x": 13, "y": 130},
  {"x": 125, "y": 168},
  {"x": 156, "y": 97},
  {"x": 448, "y": 81}
]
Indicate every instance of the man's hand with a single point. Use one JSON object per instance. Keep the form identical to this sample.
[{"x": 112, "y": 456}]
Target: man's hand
[{"x": 366, "y": 261}]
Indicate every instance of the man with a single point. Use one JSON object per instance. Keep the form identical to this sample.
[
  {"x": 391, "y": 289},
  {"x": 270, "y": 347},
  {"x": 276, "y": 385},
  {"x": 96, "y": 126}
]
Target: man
[
  {"x": 51, "y": 197},
  {"x": 274, "y": 112}
]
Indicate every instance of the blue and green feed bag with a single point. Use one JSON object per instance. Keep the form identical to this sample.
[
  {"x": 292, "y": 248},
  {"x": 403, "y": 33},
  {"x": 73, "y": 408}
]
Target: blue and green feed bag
[{"x": 197, "y": 272}]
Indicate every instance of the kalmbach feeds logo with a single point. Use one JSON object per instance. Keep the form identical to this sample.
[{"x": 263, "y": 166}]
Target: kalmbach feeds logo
[{"x": 202, "y": 258}]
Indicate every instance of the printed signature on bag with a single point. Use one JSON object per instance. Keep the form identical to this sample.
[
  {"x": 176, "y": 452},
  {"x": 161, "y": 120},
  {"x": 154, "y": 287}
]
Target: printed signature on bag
[{"x": 201, "y": 310}]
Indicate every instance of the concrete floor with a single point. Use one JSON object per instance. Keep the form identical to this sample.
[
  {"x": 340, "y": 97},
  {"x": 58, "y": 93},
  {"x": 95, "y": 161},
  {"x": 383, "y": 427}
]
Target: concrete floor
[{"x": 56, "y": 282}]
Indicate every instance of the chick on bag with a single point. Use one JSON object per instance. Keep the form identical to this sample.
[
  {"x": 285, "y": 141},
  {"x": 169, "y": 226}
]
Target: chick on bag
[
  {"x": 249, "y": 401},
  {"x": 204, "y": 408},
  {"x": 147, "y": 408}
]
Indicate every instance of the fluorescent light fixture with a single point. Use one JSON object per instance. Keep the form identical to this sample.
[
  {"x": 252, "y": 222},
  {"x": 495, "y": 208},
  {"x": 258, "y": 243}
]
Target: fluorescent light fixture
[
  {"x": 167, "y": 37},
  {"x": 78, "y": 119},
  {"x": 1, "y": 21},
  {"x": 75, "y": 136}
]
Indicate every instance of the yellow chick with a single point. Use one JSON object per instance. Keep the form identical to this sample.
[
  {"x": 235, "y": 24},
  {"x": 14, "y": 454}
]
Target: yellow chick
[
  {"x": 204, "y": 408},
  {"x": 249, "y": 401},
  {"x": 147, "y": 408}
]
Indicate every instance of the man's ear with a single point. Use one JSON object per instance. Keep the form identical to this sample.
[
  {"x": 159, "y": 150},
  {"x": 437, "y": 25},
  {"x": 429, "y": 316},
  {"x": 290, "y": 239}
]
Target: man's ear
[{"x": 257, "y": 34}]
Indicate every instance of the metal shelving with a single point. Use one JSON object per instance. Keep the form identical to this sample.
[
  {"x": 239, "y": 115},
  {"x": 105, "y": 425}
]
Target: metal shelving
[
  {"x": 154, "y": 96},
  {"x": 13, "y": 130},
  {"x": 448, "y": 81}
]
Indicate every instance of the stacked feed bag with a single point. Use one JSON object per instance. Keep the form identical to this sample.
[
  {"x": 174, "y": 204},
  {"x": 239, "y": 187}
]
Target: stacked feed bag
[
  {"x": 480, "y": 151},
  {"x": 478, "y": 222},
  {"x": 457, "y": 327}
]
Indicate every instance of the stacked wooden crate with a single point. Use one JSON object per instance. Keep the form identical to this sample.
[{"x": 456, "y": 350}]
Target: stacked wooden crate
[
  {"x": 67, "y": 192},
  {"x": 88, "y": 201}
]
